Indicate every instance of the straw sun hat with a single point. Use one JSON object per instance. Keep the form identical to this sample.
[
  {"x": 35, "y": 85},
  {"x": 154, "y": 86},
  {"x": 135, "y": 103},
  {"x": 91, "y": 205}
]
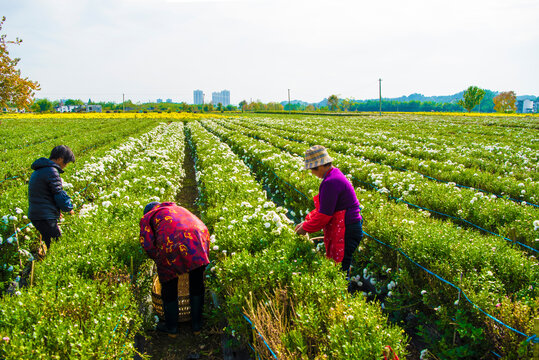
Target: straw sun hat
[{"x": 315, "y": 156}]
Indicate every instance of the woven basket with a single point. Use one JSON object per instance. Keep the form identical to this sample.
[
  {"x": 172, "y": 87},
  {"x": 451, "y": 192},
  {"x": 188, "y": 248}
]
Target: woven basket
[{"x": 184, "y": 304}]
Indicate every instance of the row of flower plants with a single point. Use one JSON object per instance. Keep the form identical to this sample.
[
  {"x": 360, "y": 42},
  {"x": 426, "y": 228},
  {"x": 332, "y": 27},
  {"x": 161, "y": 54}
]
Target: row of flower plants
[
  {"x": 264, "y": 273},
  {"x": 80, "y": 301},
  {"x": 496, "y": 277},
  {"x": 512, "y": 220},
  {"x": 490, "y": 148},
  {"x": 13, "y": 199},
  {"x": 510, "y": 155},
  {"x": 82, "y": 135},
  {"x": 87, "y": 144},
  {"x": 496, "y": 148},
  {"x": 519, "y": 179}
]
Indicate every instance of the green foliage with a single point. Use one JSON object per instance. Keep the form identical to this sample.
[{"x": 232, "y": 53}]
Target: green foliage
[
  {"x": 82, "y": 304},
  {"x": 69, "y": 102},
  {"x": 257, "y": 258},
  {"x": 23, "y": 142},
  {"x": 472, "y": 97},
  {"x": 333, "y": 102},
  {"x": 71, "y": 319},
  {"x": 42, "y": 105},
  {"x": 456, "y": 338},
  {"x": 260, "y": 267},
  {"x": 491, "y": 268}
]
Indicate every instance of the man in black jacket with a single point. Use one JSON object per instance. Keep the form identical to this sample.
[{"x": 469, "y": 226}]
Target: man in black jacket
[{"x": 46, "y": 195}]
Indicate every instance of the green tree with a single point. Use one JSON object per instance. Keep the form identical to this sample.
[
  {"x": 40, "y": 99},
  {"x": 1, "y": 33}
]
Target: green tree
[
  {"x": 505, "y": 102},
  {"x": 346, "y": 103},
  {"x": 487, "y": 103},
  {"x": 73, "y": 102},
  {"x": 471, "y": 98},
  {"x": 14, "y": 90},
  {"x": 242, "y": 105},
  {"x": 42, "y": 105},
  {"x": 333, "y": 102}
]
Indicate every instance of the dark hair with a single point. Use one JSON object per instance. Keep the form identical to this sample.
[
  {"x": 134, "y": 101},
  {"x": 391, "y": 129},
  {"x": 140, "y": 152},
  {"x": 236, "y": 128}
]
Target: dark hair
[
  {"x": 150, "y": 206},
  {"x": 316, "y": 167},
  {"x": 62, "y": 152}
]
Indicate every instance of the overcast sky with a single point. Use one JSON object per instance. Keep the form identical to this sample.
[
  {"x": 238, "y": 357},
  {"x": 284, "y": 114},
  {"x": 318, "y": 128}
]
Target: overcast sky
[{"x": 258, "y": 49}]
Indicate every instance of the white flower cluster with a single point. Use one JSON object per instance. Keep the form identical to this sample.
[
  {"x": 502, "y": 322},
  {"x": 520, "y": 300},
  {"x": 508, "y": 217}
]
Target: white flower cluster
[{"x": 160, "y": 148}]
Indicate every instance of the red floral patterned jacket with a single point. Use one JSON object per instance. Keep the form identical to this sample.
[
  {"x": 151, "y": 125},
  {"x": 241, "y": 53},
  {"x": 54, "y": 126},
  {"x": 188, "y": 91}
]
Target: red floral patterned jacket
[{"x": 176, "y": 239}]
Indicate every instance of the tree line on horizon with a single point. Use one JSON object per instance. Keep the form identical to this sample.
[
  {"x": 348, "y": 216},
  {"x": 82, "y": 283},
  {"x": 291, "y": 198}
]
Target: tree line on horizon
[
  {"x": 46, "y": 105},
  {"x": 474, "y": 99}
]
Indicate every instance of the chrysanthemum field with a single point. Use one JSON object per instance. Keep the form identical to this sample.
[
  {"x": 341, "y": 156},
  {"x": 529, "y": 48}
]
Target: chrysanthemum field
[{"x": 447, "y": 268}]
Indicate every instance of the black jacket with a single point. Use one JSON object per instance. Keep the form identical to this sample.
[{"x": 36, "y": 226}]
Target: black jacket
[{"x": 46, "y": 196}]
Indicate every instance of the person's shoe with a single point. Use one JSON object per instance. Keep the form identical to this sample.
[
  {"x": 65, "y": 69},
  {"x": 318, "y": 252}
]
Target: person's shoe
[{"x": 171, "y": 332}]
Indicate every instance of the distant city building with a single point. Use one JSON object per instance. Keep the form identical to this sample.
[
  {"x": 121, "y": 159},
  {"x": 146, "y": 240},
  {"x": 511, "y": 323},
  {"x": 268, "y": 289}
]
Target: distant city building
[
  {"x": 93, "y": 108},
  {"x": 67, "y": 108},
  {"x": 169, "y": 101},
  {"x": 222, "y": 97},
  {"x": 527, "y": 106},
  {"x": 159, "y": 101},
  {"x": 78, "y": 108},
  {"x": 198, "y": 97}
]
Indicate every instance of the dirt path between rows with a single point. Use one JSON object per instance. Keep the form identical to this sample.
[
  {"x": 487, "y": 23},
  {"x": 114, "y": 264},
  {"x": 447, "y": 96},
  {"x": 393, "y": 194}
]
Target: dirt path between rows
[{"x": 187, "y": 346}]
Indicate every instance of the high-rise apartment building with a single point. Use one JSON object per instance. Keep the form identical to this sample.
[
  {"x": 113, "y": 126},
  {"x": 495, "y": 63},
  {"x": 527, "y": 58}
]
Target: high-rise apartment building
[
  {"x": 222, "y": 97},
  {"x": 198, "y": 97}
]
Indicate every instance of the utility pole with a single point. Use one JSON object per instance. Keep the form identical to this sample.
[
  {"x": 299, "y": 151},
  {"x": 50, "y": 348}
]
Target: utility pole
[
  {"x": 380, "y": 88},
  {"x": 289, "y": 108},
  {"x": 123, "y": 102}
]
